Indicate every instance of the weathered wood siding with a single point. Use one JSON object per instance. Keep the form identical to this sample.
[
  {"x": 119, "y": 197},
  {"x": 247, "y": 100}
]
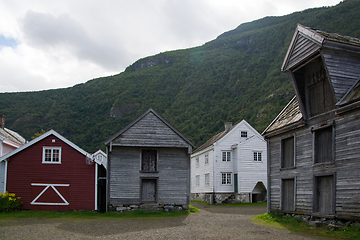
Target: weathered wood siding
[
  {"x": 172, "y": 177},
  {"x": 344, "y": 70},
  {"x": 150, "y": 131},
  {"x": 344, "y": 170},
  {"x": 303, "y": 48}
]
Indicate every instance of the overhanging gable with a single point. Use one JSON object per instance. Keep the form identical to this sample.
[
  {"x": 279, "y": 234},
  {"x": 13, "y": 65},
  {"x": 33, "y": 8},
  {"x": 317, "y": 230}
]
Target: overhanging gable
[
  {"x": 304, "y": 43},
  {"x": 149, "y": 130}
]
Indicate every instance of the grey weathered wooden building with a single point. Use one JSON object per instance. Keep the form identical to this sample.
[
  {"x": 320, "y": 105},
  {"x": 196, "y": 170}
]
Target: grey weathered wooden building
[
  {"x": 148, "y": 164},
  {"x": 314, "y": 143}
]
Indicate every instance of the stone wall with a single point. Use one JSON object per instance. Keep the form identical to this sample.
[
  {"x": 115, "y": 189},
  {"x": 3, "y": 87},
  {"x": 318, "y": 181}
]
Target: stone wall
[
  {"x": 148, "y": 207},
  {"x": 214, "y": 198}
]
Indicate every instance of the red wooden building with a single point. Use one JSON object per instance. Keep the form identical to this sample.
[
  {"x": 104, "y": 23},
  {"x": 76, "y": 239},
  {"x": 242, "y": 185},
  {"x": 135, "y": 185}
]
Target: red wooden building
[{"x": 52, "y": 173}]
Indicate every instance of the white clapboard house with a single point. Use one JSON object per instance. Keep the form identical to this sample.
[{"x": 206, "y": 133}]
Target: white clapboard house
[{"x": 230, "y": 166}]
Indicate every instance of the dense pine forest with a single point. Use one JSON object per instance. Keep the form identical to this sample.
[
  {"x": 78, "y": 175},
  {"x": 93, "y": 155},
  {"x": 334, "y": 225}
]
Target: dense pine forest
[{"x": 233, "y": 77}]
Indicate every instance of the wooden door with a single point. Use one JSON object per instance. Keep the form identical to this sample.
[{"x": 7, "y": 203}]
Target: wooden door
[
  {"x": 148, "y": 190},
  {"x": 288, "y": 195},
  {"x": 325, "y": 194}
]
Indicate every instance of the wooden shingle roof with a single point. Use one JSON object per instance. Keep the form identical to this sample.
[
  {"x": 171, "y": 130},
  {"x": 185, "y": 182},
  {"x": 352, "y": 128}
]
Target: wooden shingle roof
[{"x": 290, "y": 115}]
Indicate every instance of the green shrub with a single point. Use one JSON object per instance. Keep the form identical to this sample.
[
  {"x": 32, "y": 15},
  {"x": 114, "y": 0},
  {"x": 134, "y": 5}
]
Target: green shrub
[{"x": 9, "y": 202}]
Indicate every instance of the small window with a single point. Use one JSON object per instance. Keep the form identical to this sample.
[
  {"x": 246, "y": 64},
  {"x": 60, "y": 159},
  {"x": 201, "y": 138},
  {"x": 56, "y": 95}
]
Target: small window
[
  {"x": 197, "y": 162},
  {"x": 323, "y": 145},
  {"x": 226, "y": 178},
  {"x": 51, "y": 155},
  {"x": 206, "y": 159},
  {"x": 244, "y": 134},
  {"x": 149, "y": 161},
  {"x": 287, "y": 152},
  {"x": 207, "y": 179},
  {"x": 197, "y": 180},
  {"x": 226, "y": 156},
  {"x": 257, "y": 157}
]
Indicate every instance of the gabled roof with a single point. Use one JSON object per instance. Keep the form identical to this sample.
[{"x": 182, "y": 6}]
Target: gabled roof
[
  {"x": 12, "y": 136},
  {"x": 100, "y": 158},
  {"x": 307, "y": 41},
  {"x": 291, "y": 114},
  {"x": 213, "y": 139},
  {"x": 221, "y": 135},
  {"x": 150, "y": 110},
  {"x": 32, "y": 142}
]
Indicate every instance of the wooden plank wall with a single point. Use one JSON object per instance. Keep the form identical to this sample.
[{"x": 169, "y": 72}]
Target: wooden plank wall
[
  {"x": 150, "y": 131},
  {"x": 344, "y": 70},
  {"x": 172, "y": 176},
  {"x": 345, "y": 168}
]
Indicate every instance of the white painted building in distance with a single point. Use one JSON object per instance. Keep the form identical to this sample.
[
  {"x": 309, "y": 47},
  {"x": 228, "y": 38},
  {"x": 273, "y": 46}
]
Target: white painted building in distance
[{"x": 231, "y": 166}]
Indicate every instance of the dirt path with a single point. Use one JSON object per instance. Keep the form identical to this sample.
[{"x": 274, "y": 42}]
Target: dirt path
[{"x": 212, "y": 222}]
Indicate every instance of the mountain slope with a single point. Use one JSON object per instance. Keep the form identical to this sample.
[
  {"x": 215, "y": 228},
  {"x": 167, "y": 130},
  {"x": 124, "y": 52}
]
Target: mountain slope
[{"x": 236, "y": 76}]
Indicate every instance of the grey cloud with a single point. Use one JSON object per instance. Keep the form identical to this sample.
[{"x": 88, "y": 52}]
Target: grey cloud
[{"x": 46, "y": 31}]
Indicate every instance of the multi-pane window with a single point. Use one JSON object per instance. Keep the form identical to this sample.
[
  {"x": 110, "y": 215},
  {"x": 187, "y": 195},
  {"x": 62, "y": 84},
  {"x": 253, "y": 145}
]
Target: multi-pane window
[
  {"x": 207, "y": 179},
  {"x": 197, "y": 180},
  {"x": 51, "y": 155},
  {"x": 197, "y": 162},
  {"x": 323, "y": 151},
  {"x": 257, "y": 157},
  {"x": 206, "y": 159},
  {"x": 244, "y": 134},
  {"x": 226, "y": 178},
  {"x": 149, "y": 160},
  {"x": 287, "y": 152},
  {"x": 226, "y": 156}
]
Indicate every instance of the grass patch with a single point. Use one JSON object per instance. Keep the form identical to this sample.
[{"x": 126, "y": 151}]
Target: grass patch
[
  {"x": 193, "y": 209},
  {"x": 89, "y": 214},
  {"x": 200, "y": 202},
  {"x": 295, "y": 224},
  {"x": 260, "y": 204}
]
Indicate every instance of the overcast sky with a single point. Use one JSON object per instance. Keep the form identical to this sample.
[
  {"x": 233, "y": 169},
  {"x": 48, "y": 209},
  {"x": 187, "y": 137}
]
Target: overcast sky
[{"x": 54, "y": 44}]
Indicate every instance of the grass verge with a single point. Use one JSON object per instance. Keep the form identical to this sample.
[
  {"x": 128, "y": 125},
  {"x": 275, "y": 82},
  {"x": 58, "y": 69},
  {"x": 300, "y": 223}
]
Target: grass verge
[
  {"x": 90, "y": 214},
  {"x": 234, "y": 204},
  {"x": 295, "y": 224}
]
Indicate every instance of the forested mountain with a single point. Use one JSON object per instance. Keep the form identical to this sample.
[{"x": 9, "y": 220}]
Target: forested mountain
[{"x": 236, "y": 76}]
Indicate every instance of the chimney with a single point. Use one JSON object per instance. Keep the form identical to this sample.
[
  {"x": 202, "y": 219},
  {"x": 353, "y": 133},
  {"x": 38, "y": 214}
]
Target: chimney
[
  {"x": 2, "y": 120},
  {"x": 228, "y": 125}
]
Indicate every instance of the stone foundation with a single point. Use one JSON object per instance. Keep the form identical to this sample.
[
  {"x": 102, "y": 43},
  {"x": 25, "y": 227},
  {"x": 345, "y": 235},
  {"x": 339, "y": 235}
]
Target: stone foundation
[
  {"x": 216, "y": 198},
  {"x": 148, "y": 207}
]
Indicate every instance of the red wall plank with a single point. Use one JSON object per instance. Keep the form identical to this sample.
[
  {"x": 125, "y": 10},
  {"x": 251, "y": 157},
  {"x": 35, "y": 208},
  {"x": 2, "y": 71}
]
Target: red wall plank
[{"x": 26, "y": 167}]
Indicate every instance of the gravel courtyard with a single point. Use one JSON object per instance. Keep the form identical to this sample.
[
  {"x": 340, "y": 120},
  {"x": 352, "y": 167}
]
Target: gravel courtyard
[{"x": 212, "y": 222}]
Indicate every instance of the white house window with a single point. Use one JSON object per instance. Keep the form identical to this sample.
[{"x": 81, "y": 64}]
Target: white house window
[
  {"x": 226, "y": 156},
  {"x": 197, "y": 162},
  {"x": 207, "y": 179},
  {"x": 244, "y": 134},
  {"x": 226, "y": 178},
  {"x": 197, "y": 180},
  {"x": 257, "y": 157},
  {"x": 51, "y": 155},
  {"x": 206, "y": 159}
]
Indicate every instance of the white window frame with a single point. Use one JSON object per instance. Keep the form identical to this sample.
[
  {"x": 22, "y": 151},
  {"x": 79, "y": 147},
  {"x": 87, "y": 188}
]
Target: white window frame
[
  {"x": 243, "y": 134},
  {"x": 197, "y": 162},
  {"x": 207, "y": 179},
  {"x": 226, "y": 157},
  {"x": 257, "y": 155},
  {"x": 206, "y": 159},
  {"x": 197, "y": 180},
  {"x": 51, "y": 155},
  {"x": 227, "y": 177}
]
